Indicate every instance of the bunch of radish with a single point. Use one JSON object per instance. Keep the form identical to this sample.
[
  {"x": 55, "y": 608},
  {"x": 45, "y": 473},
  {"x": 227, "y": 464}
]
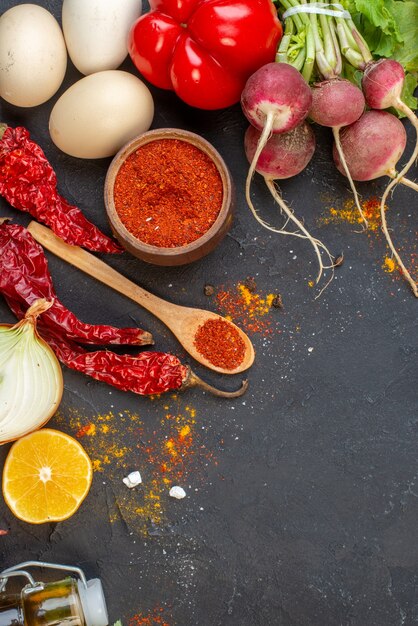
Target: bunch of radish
[
  {"x": 382, "y": 86},
  {"x": 278, "y": 99}
]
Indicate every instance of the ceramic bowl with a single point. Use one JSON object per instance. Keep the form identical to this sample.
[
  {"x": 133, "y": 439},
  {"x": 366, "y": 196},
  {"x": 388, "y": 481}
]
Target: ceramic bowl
[{"x": 182, "y": 254}]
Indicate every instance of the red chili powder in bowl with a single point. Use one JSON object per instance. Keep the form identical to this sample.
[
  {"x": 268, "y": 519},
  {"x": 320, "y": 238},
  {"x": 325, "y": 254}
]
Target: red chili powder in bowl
[
  {"x": 168, "y": 193},
  {"x": 220, "y": 343}
]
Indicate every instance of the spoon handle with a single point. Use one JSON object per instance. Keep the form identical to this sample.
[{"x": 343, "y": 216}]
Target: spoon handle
[
  {"x": 181, "y": 320},
  {"x": 96, "y": 268}
]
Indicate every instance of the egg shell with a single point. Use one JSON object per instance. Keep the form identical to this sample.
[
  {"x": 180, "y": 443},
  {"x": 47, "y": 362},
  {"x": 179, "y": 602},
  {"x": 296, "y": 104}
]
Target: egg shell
[
  {"x": 101, "y": 112},
  {"x": 33, "y": 55},
  {"x": 96, "y": 32}
]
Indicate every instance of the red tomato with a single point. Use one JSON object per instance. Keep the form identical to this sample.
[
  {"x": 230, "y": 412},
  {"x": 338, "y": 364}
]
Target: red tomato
[{"x": 204, "y": 49}]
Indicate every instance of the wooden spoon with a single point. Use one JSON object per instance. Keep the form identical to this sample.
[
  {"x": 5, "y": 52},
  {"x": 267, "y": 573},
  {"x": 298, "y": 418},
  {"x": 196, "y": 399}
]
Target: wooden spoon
[{"x": 182, "y": 321}]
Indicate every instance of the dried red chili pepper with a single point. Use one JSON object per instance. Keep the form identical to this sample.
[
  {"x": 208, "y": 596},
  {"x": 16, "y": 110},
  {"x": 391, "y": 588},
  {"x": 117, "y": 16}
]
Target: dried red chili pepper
[
  {"x": 147, "y": 373},
  {"x": 28, "y": 183},
  {"x": 24, "y": 278}
]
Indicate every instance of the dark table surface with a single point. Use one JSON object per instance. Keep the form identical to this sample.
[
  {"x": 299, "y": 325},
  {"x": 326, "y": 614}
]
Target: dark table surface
[{"x": 302, "y": 496}]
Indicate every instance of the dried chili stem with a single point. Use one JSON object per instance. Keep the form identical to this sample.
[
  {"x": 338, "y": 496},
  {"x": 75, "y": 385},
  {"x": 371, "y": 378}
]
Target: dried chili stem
[{"x": 193, "y": 380}]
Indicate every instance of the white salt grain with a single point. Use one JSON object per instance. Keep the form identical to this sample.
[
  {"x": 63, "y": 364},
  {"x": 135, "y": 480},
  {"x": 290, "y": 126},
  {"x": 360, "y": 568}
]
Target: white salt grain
[
  {"x": 177, "y": 492},
  {"x": 133, "y": 479}
]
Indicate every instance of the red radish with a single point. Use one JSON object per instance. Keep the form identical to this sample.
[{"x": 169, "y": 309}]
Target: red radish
[
  {"x": 284, "y": 155},
  {"x": 382, "y": 86},
  {"x": 337, "y": 103},
  {"x": 276, "y": 100},
  {"x": 372, "y": 146}
]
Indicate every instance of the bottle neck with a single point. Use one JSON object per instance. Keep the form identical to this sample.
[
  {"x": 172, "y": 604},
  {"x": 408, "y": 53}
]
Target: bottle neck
[{"x": 93, "y": 602}]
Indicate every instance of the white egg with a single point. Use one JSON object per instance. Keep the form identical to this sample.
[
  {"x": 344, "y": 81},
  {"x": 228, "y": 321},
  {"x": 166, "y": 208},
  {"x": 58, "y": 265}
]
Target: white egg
[
  {"x": 33, "y": 56},
  {"x": 96, "y": 32},
  {"x": 97, "y": 115}
]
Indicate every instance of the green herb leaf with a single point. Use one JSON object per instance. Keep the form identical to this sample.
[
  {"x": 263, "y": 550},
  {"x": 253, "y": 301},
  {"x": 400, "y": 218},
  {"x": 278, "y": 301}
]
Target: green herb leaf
[
  {"x": 350, "y": 5},
  {"x": 407, "y": 95},
  {"x": 390, "y": 28},
  {"x": 379, "y": 16},
  {"x": 379, "y": 43},
  {"x": 407, "y": 19},
  {"x": 352, "y": 74}
]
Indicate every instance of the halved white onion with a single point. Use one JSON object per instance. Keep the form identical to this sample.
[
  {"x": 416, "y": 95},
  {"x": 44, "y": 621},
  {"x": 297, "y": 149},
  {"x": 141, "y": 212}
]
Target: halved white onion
[{"x": 31, "y": 382}]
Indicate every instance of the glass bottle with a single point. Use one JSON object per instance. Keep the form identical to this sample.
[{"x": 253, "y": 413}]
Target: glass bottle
[
  {"x": 11, "y": 610},
  {"x": 66, "y": 602}
]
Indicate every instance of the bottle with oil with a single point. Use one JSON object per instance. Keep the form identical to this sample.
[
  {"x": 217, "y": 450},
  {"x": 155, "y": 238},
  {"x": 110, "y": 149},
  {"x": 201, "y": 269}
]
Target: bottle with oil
[{"x": 66, "y": 602}]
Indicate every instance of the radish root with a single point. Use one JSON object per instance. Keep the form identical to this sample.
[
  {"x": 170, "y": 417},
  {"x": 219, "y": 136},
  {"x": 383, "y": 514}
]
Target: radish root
[
  {"x": 410, "y": 115},
  {"x": 405, "y": 181},
  {"x": 264, "y": 137},
  {"x": 336, "y": 133},
  {"x": 302, "y": 233}
]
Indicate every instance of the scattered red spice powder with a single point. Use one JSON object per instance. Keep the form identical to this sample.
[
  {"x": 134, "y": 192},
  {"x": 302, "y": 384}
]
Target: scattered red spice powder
[
  {"x": 371, "y": 209},
  {"x": 168, "y": 193},
  {"x": 220, "y": 343},
  {"x": 391, "y": 267},
  {"x": 149, "y": 619},
  {"x": 174, "y": 457},
  {"x": 349, "y": 213},
  {"x": 88, "y": 429},
  {"x": 247, "y": 308},
  {"x": 171, "y": 451}
]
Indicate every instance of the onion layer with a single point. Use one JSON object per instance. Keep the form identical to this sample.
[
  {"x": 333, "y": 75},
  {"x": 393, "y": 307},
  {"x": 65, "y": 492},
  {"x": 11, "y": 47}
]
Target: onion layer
[{"x": 31, "y": 382}]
